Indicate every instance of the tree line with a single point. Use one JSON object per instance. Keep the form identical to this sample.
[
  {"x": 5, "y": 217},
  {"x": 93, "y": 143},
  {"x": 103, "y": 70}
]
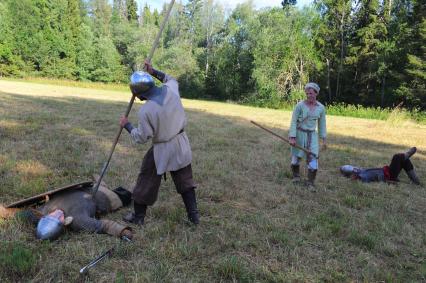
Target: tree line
[{"x": 367, "y": 52}]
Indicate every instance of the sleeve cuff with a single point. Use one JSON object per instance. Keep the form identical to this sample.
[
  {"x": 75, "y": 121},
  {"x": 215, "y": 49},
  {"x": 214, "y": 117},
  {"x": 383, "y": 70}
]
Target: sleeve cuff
[
  {"x": 159, "y": 75},
  {"x": 129, "y": 127}
]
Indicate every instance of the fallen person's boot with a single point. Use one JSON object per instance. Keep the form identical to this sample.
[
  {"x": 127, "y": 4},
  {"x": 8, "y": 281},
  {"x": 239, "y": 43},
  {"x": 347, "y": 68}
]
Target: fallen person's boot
[
  {"x": 116, "y": 229},
  {"x": 137, "y": 217},
  {"x": 410, "y": 152},
  {"x": 413, "y": 177}
]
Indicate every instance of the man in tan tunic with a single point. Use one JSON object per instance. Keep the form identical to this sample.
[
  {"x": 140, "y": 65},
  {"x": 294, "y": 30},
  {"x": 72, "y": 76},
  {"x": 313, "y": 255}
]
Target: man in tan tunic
[{"x": 161, "y": 119}]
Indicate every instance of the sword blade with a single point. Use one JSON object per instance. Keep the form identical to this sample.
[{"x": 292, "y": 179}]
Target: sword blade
[{"x": 96, "y": 260}]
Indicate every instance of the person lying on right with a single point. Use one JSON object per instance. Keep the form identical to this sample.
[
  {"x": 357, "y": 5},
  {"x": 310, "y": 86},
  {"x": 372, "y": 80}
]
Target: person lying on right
[{"x": 388, "y": 173}]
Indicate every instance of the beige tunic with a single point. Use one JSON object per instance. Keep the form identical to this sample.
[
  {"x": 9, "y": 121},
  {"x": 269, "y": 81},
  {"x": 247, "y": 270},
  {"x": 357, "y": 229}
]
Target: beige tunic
[{"x": 162, "y": 123}]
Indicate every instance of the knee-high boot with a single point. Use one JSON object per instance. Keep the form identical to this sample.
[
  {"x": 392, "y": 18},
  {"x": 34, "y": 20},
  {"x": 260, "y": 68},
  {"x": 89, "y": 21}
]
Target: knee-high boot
[
  {"x": 413, "y": 177},
  {"x": 190, "y": 201},
  {"x": 138, "y": 217},
  {"x": 311, "y": 177},
  {"x": 295, "y": 169}
]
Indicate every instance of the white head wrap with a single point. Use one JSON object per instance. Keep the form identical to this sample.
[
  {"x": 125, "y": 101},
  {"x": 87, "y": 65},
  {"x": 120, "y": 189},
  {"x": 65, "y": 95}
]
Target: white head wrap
[{"x": 314, "y": 86}]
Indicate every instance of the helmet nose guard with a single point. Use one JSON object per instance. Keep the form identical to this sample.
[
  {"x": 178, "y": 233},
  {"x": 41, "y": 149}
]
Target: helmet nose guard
[
  {"x": 49, "y": 228},
  {"x": 141, "y": 82}
]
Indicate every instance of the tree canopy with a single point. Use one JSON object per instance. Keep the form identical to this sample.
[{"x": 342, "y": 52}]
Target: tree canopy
[{"x": 367, "y": 52}]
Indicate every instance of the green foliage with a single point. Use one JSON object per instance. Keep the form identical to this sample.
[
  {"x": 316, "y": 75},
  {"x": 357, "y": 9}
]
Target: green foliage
[
  {"x": 367, "y": 52},
  {"x": 108, "y": 67},
  {"x": 234, "y": 58},
  {"x": 132, "y": 15},
  {"x": 284, "y": 55},
  {"x": 181, "y": 63}
]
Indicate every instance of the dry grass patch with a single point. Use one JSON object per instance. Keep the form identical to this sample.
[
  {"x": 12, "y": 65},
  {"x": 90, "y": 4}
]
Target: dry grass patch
[{"x": 255, "y": 224}]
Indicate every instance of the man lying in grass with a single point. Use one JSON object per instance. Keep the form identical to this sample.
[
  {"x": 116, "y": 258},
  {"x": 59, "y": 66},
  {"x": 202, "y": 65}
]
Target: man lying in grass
[
  {"x": 387, "y": 173},
  {"x": 75, "y": 208}
]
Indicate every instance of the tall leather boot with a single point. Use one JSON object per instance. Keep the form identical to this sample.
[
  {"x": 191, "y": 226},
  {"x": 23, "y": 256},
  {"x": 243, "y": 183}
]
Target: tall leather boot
[
  {"x": 311, "y": 179},
  {"x": 295, "y": 169},
  {"x": 190, "y": 202},
  {"x": 138, "y": 217},
  {"x": 413, "y": 177},
  {"x": 410, "y": 152}
]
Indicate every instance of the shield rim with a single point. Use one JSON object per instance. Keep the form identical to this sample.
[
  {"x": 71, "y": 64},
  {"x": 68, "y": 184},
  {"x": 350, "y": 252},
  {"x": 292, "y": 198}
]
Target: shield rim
[{"x": 34, "y": 200}]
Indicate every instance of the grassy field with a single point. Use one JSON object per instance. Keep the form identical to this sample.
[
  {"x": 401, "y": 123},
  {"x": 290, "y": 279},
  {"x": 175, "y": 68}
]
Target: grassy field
[{"x": 256, "y": 226}]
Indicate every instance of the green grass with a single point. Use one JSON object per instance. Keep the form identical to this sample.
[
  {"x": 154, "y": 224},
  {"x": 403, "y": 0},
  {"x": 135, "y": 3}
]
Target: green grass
[
  {"x": 256, "y": 225},
  {"x": 16, "y": 260}
]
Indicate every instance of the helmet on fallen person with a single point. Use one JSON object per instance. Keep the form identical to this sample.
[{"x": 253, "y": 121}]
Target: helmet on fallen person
[
  {"x": 51, "y": 226},
  {"x": 349, "y": 170}
]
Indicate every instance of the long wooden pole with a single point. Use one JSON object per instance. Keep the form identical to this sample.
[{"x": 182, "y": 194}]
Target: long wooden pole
[
  {"x": 282, "y": 138},
  {"x": 129, "y": 107}
]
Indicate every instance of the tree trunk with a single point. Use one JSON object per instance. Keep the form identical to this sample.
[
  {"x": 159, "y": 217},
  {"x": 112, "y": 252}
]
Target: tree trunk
[
  {"x": 328, "y": 80},
  {"x": 342, "y": 21},
  {"x": 382, "y": 96}
]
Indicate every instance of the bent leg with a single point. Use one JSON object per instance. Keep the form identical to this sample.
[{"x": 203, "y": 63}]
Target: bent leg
[
  {"x": 411, "y": 173},
  {"x": 396, "y": 165}
]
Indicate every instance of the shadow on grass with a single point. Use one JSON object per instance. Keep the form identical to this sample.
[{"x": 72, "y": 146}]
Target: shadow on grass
[{"x": 253, "y": 218}]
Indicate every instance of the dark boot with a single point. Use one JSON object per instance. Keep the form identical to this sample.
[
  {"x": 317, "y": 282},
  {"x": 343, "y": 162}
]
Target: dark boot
[
  {"x": 311, "y": 179},
  {"x": 413, "y": 177},
  {"x": 190, "y": 202},
  {"x": 410, "y": 152},
  {"x": 138, "y": 216},
  {"x": 295, "y": 169}
]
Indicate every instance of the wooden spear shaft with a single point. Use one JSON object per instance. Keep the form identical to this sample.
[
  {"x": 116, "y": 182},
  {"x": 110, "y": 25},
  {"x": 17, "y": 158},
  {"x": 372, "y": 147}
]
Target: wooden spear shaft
[
  {"x": 282, "y": 138},
  {"x": 129, "y": 106}
]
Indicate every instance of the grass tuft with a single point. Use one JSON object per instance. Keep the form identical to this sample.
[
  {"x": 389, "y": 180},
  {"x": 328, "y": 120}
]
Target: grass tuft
[
  {"x": 16, "y": 259},
  {"x": 233, "y": 268}
]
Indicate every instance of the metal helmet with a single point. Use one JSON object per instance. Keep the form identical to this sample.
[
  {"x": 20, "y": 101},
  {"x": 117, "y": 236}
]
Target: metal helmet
[
  {"x": 50, "y": 227},
  {"x": 348, "y": 170},
  {"x": 141, "y": 82}
]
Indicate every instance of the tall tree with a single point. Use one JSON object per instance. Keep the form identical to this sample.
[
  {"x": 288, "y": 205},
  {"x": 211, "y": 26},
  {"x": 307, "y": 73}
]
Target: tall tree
[
  {"x": 235, "y": 62},
  {"x": 332, "y": 42},
  {"x": 413, "y": 88},
  {"x": 132, "y": 8},
  {"x": 284, "y": 55},
  {"x": 364, "y": 51}
]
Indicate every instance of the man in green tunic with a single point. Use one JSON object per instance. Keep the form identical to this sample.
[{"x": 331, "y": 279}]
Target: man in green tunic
[{"x": 306, "y": 115}]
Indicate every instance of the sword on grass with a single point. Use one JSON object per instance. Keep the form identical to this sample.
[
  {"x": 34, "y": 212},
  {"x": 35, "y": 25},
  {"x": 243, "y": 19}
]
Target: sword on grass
[
  {"x": 104, "y": 255},
  {"x": 284, "y": 139}
]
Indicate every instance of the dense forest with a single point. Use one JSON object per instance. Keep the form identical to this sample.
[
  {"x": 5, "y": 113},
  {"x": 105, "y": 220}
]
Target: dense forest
[{"x": 367, "y": 52}]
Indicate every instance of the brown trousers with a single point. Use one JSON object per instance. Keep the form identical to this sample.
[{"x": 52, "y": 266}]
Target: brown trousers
[{"x": 148, "y": 183}]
